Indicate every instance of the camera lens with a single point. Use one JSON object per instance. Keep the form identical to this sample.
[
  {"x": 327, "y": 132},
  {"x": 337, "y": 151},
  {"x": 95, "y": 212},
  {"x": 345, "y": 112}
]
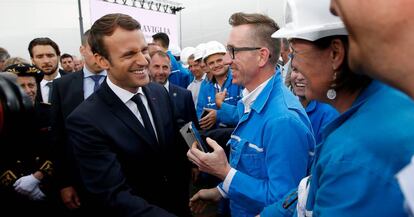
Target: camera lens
[{"x": 16, "y": 109}]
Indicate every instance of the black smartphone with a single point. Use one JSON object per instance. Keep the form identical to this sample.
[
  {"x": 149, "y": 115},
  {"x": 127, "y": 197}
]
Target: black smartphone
[
  {"x": 204, "y": 113},
  {"x": 191, "y": 134}
]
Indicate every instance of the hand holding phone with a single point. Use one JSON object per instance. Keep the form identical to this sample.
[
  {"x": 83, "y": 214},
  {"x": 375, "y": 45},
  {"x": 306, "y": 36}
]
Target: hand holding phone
[
  {"x": 191, "y": 135},
  {"x": 204, "y": 113}
]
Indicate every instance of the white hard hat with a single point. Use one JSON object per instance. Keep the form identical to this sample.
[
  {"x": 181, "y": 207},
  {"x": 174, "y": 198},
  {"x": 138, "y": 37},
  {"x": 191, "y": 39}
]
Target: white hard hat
[
  {"x": 214, "y": 47},
  {"x": 199, "y": 51},
  {"x": 175, "y": 50},
  {"x": 185, "y": 53},
  {"x": 309, "y": 20}
]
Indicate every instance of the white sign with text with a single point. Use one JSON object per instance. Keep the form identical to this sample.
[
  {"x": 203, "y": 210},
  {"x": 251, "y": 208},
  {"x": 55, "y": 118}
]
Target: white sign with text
[{"x": 151, "y": 22}]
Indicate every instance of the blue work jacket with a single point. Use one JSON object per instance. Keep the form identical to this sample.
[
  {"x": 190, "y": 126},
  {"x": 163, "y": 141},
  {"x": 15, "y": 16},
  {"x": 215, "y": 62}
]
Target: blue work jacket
[
  {"x": 320, "y": 114},
  {"x": 270, "y": 149},
  {"x": 353, "y": 173},
  {"x": 207, "y": 96},
  {"x": 179, "y": 75},
  {"x": 362, "y": 150}
]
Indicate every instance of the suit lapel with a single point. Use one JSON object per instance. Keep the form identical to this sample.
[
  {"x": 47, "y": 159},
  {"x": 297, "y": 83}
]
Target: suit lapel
[{"x": 120, "y": 110}]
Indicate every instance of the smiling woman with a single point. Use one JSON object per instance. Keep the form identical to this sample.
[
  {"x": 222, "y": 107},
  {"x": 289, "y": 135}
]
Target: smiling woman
[
  {"x": 357, "y": 154},
  {"x": 320, "y": 114}
]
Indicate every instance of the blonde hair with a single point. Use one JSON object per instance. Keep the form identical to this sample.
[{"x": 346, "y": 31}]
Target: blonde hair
[{"x": 15, "y": 60}]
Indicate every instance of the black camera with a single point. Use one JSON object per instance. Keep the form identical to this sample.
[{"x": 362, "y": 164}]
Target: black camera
[{"x": 16, "y": 110}]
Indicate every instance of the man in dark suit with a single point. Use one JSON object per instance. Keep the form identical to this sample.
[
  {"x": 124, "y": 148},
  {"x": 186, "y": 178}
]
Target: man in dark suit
[
  {"x": 45, "y": 55},
  {"x": 124, "y": 134},
  {"x": 184, "y": 109},
  {"x": 68, "y": 92}
]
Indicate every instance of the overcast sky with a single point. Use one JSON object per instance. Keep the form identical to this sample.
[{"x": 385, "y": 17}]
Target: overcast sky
[{"x": 201, "y": 21}]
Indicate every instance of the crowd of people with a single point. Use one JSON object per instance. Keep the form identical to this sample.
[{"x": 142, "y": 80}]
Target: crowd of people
[{"x": 313, "y": 118}]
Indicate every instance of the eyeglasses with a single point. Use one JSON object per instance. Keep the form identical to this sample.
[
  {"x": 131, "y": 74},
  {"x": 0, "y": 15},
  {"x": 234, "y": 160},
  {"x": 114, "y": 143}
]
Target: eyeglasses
[{"x": 232, "y": 50}]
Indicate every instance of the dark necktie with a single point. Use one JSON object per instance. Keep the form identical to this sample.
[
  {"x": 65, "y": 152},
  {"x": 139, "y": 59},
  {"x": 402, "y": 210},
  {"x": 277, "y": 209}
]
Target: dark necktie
[
  {"x": 49, "y": 97},
  {"x": 145, "y": 118},
  {"x": 96, "y": 79}
]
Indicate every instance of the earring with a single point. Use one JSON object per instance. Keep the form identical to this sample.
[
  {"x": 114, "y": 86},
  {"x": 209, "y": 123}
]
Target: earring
[{"x": 331, "y": 94}]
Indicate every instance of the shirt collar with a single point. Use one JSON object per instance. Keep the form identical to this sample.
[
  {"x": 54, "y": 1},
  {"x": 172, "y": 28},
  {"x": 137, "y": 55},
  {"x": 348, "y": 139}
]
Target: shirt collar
[
  {"x": 88, "y": 73},
  {"x": 249, "y": 97},
  {"x": 44, "y": 82},
  {"x": 362, "y": 98},
  {"x": 201, "y": 80},
  {"x": 123, "y": 94},
  {"x": 311, "y": 106},
  {"x": 167, "y": 86}
]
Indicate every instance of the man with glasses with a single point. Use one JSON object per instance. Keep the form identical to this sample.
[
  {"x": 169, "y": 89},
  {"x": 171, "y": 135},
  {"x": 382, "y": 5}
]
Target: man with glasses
[{"x": 271, "y": 145}]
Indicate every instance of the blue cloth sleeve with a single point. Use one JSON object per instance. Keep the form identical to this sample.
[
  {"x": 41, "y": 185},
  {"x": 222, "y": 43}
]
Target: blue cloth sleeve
[{"x": 228, "y": 114}]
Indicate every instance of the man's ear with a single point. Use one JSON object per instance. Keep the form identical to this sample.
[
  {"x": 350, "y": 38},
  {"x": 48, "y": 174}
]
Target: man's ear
[
  {"x": 264, "y": 56},
  {"x": 102, "y": 61},
  {"x": 81, "y": 49}
]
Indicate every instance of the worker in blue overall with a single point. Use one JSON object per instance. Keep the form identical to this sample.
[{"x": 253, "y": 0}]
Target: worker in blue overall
[{"x": 271, "y": 146}]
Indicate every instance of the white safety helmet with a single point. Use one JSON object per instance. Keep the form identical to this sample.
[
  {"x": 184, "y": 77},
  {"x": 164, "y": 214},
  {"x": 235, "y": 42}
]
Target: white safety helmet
[
  {"x": 175, "y": 50},
  {"x": 199, "y": 51},
  {"x": 185, "y": 53},
  {"x": 214, "y": 47},
  {"x": 309, "y": 20}
]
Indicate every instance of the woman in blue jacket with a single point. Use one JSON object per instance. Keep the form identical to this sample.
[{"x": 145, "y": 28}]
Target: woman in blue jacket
[{"x": 353, "y": 172}]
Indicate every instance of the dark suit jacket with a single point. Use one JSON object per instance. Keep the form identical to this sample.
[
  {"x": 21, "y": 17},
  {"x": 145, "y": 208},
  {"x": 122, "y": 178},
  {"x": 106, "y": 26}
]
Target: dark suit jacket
[
  {"x": 66, "y": 96},
  {"x": 39, "y": 97},
  {"x": 184, "y": 109},
  {"x": 124, "y": 171}
]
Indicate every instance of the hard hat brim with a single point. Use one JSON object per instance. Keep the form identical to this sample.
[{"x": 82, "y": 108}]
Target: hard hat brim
[{"x": 311, "y": 33}]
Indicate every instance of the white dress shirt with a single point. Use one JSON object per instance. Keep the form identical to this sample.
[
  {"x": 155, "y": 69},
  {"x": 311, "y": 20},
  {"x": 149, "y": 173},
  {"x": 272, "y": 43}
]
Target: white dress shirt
[
  {"x": 126, "y": 96},
  {"x": 194, "y": 87},
  {"x": 44, "y": 89}
]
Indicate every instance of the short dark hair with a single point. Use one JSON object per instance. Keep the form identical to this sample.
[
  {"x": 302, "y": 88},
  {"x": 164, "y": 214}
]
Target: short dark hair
[
  {"x": 163, "y": 38},
  {"x": 161, "y": 54},
  {"x": 15, "y": 60},
  {"x": 43, "y": 41},
  {"x": 264, "y": 27},
  {"x": 106, "y": 26},
  {"x": 346, "y": 80},
  {"x": 64, "y": 56},
  {"x": 85, "y": 37}
]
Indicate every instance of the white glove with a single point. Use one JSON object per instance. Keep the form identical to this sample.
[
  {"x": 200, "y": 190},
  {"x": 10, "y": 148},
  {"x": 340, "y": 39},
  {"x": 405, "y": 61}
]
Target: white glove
[
  {"x": 26, "y": 184},
  {"x": 37, "y": 194}
]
